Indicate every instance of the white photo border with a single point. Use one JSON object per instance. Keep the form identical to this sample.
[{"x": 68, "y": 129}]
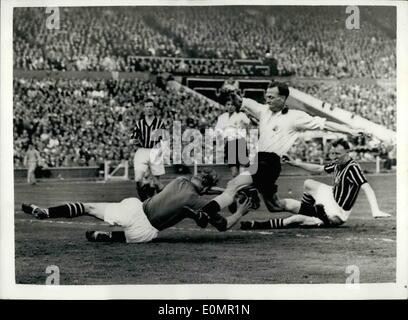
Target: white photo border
[{"x": 10, "y": 290}]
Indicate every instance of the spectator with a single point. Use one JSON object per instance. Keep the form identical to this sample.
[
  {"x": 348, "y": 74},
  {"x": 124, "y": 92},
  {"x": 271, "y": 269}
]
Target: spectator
[
  {"x": 84, "y": 120},
  {"x": 369, "y": 101},
  {"x": 306, "y": 41}
]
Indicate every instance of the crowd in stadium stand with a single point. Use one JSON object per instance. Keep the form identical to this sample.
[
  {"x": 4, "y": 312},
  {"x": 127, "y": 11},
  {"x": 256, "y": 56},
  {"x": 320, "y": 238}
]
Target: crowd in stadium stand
[
  {"x": 308, "y": 150},
  {"x": 83, "y": 122},
  {"x": 369, "y": 101},
  {"x": 197, "y": 66},
  {"x": 313, "y": 151},
  {"x": 309, "y": 42},
  {"x": 87, "y": 39}
]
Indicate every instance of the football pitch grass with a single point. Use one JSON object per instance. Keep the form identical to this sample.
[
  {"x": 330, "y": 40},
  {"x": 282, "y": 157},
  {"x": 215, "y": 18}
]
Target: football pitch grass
[{"x": 186, "y": 254}]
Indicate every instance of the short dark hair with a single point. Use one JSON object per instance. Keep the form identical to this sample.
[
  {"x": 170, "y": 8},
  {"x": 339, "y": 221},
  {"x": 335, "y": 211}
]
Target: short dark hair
[
  {"x": 148, "y": 100},
  {"x": 341, "y": 142},
  {"x": 282, "y": 88}
]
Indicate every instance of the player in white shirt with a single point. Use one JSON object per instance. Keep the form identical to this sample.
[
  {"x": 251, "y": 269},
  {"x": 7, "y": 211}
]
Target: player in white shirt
[
  {"x": 279, "y": 128},
  {"x": 31, "y": 160},
  {"x": 233, "y": 125}
]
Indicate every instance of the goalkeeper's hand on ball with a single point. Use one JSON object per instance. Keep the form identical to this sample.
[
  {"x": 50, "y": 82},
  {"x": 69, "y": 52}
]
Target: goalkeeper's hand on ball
[{"x": 243, "y": 206}]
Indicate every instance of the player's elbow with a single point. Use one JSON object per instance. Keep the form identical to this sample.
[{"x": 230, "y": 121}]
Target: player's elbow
[{"x": 320, "y": 169}]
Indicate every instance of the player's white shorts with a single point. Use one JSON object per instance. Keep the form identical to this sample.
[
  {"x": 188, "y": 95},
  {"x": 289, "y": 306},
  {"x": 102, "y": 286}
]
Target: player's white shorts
[
  {"x": 129, "y": 214},
  {"x": 324, "y": 196},
  {"x": 146, "y": 159},
  {"x": 31, "y": 165}
]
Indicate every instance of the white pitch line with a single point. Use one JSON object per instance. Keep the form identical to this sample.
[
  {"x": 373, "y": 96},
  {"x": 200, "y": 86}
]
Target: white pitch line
[
  {"x": 61, "y": 222},
  {"x": 298, "y": 235}
]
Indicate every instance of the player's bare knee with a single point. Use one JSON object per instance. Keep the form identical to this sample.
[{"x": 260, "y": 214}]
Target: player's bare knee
[
  {"x": 238, "y": 182},
  {"x": 310, "y": 185},
  {"x": 139, "y": 177},
  {"x": 307, "y": 183},
  {"x": 283, "y": 204}
]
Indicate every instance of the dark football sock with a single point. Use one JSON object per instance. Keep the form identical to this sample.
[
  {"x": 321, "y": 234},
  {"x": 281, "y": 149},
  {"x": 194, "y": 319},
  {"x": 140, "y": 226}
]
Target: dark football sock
[
  {"x": 268, "y": 224},
  {"x": 274, "y": 189},
  {"x": 308, "y": 199},
  {"x": 307, "y": 210},
  {"x": 198, "y": 216},
  {"x": 211, "y": 208},
  {"x": 118, "y": 236},
  {"x": 141, "y": 191},
  {"x": 276, "y": 223},
  {"x": 105, "y": 236},
  {"x": 254, "y": 225},
  {"x": 150, "y": 191},
  {"x": 158, "y": 188},
  {"x": 307, "y": 205},
  {"x": 68, "y": 210}
]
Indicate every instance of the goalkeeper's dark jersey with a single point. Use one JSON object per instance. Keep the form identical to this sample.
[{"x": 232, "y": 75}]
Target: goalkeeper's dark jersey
[{"x": 179, "y": 193}]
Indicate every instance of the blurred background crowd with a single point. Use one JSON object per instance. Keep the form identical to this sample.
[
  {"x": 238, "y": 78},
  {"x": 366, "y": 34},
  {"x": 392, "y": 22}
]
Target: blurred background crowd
[
  {"x": 78, "y": 122},
  {"x": 304, "y": 41},
  {"x": 83, "y": 122},
  {"x": 369, "y": 101}
]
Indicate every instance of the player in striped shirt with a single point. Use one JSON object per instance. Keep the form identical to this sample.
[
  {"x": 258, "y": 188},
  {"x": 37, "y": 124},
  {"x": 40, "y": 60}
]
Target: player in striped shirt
[
  {"x": 324, "y": 205},
  {"x": 148, "y": 158}
]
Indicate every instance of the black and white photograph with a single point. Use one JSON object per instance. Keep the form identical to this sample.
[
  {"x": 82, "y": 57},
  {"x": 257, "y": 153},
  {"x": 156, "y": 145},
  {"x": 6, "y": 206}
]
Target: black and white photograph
[{"x": 189, "y": 148}]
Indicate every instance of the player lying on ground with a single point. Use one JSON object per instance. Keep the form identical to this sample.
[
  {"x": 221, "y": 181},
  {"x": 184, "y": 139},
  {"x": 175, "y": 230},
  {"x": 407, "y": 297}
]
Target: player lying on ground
[
  {"x": 142, "y": 221},
  {"x": 323, "y": 205},
  {"x": 279, "y": 128}
]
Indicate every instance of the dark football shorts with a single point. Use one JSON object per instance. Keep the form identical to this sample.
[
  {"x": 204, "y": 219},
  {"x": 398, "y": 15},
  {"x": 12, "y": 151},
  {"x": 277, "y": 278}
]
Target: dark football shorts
[{"x": 268, "y": 171}]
